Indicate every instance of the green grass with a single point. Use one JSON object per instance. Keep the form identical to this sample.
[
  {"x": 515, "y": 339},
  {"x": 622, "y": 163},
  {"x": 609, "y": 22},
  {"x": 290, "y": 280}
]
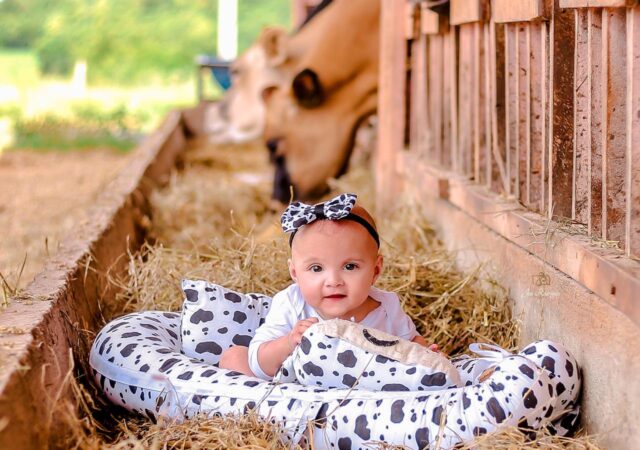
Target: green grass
[
  {"x": 18, "y": 68},
  {"x": 67, "y": 142},
  {"x": 47, "y": 114}
]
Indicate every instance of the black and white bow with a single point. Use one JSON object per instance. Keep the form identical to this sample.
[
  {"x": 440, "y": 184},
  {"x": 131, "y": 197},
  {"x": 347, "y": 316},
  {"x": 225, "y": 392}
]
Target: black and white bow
[{"x": 298, "y": 214}]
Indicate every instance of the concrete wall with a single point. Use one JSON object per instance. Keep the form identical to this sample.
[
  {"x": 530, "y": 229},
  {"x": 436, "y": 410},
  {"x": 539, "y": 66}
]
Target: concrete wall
[{"x": 605, "y": 342}]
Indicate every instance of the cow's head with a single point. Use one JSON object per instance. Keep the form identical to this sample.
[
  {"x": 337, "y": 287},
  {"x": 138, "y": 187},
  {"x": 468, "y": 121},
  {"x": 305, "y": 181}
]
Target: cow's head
[
  {"x": 240, "y": 115},
  {"x": 310, "y": 135}
]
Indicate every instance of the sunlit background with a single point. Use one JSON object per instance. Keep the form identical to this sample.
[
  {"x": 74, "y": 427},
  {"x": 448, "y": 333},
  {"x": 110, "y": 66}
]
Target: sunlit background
[{"x": 101, "y": 73}]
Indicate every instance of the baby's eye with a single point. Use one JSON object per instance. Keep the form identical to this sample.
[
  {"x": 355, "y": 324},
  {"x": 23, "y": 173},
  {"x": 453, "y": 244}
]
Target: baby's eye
[
  {"x": 315, "y": 268},
  {"x": 350, "y": 266}
]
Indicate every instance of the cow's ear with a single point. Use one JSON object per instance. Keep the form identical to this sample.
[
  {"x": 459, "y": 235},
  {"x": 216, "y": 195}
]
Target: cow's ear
[
  {"x": 267, "y": 93},
  {"x": 273, "y": 42},
  {"x": 307, "y": 89}
]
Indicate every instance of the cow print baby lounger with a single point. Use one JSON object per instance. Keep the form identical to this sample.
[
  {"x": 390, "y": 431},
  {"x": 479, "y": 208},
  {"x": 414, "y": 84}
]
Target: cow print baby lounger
[{"x": 163, "y": 363}]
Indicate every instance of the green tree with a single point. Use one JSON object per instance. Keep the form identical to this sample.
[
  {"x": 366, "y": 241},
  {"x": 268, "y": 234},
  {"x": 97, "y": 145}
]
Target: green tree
[{"x": 127, "y": 41}]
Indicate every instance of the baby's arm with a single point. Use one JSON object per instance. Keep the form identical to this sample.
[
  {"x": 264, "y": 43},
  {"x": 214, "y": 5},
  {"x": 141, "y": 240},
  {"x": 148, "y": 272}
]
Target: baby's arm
[
  {"x": 271, "y": 354},
  {"x": 420, "y": 340}
]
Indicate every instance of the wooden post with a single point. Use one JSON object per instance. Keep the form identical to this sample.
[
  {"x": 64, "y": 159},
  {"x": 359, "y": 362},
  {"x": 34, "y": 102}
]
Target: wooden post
[
  {"x": 561, "y": 158},
  {"x": 633, "y": 134},
  {"x": 390, "y": 102},
  {"x": 537, "y": 144},
  {"x": 227, "y": 29},
  {"x": 419, "y": 111}
]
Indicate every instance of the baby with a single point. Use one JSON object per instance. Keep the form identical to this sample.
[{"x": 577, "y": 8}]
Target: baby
[{"x": 334, "y": 264}]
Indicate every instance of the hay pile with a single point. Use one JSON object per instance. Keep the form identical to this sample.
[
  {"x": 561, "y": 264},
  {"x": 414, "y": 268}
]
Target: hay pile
[{"x": 214, "y": 222}]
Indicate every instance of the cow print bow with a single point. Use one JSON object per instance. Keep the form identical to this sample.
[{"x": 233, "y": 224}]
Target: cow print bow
[{"x": 298, "y": 214}]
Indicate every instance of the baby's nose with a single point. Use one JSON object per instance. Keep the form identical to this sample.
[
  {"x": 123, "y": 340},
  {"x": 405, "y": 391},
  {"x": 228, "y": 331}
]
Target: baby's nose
[{"x": 334, "y": 278}]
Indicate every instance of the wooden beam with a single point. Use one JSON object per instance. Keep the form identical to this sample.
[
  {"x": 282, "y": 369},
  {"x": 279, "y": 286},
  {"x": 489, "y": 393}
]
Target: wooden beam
[
  {"x": 391, "y": 102},
  {"x": 633, "y": 134},
  {"x": 410, "y": 20},
  {"x": 503, "y": 11},
  {"x": 467, "y": 11},
  {"x": 603, "y": 270},
  {"x": 597, "y": 3},
  {"x": 419, "y": 129},
  {"x": 432, "y": 22}
]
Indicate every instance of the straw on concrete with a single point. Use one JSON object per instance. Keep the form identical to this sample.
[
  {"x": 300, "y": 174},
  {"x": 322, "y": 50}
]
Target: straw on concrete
[{"x": 214, "y": 222}]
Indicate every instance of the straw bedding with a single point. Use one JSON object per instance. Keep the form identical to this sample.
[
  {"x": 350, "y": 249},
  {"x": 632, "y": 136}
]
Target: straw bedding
[{"x": 214, "y": 222}]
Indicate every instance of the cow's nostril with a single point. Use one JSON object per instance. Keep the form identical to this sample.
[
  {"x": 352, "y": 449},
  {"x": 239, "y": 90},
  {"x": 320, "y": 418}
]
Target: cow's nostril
[{"x": 272, "y": 145}]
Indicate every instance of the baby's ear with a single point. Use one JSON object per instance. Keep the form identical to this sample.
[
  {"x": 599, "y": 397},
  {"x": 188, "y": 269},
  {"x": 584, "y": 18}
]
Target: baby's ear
[
  {"x": 292, "y": 270},
  {"x": 377, "y": 270}
]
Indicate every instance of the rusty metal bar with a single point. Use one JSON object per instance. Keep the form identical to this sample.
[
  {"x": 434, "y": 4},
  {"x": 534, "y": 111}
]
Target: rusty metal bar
[
  {"x": 477, "y": 93},
  {"x": 487, "y": 162},
  {"x": 523, "y": 99},
  {"x": 614, "y": 148},
  {"x": 595, "y": 124},
  {"x": 447, "y": 101},
  {"x": 581, "y": 108},
  {"x": 535, "y": 127},
  {"x": 453, "y": 96},
  {"x": 435, "y": 67},
  {"x": 561, "y": 161},
  {"x": 464, "y": 99},
  {"x": 498, "y": 110},
  {"x": 508, "y": 51},
  {"x": 632, "y": 223}
]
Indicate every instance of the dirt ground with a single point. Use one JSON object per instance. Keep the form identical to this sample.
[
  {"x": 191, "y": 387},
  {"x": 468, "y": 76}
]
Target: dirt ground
[{"x": 43, "y": 195}]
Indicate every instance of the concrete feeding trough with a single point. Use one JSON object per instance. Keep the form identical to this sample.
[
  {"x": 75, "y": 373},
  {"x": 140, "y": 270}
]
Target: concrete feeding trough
[{"x": 48, "y": 328}]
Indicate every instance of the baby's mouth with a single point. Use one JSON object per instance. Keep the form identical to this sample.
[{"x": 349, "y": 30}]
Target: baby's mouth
[{"x": 335, "y": 296}]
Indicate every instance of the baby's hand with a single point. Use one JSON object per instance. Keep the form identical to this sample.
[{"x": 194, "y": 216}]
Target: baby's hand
[
  {"x": 434, "y": 347},
  {"x": 295, "y": 335}
]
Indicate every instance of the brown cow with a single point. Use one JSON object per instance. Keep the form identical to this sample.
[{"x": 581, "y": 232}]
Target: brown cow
[
  {"x": 311, "y": 121},
  {"x": 239, "y": 116}
]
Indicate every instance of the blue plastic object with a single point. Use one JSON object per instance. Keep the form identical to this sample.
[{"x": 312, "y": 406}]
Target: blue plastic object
[
  {"x": 222, "y": 74},
  {"x": 220, "y": 69}
]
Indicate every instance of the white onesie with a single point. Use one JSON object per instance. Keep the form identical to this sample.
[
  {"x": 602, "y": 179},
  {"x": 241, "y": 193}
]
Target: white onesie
[{"x": 288, "y": 307}]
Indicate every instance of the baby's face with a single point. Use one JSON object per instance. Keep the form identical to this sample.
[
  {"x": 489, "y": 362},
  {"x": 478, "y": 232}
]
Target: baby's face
[{"x": 335, "y": 264}]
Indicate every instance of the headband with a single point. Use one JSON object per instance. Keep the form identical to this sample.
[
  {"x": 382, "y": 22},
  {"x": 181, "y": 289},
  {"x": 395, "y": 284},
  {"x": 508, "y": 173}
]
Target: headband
[{"x": 299, "y": 214}]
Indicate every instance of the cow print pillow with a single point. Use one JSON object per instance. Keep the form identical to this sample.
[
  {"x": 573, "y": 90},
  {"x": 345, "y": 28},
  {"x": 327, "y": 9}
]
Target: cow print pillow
[
  {"x": 215, "y": 318},
  {"x": 342, "y": 354}
]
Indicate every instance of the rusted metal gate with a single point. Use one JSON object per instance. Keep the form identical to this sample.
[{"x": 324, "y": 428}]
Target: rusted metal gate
[{"x": 516, "y": 124}]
